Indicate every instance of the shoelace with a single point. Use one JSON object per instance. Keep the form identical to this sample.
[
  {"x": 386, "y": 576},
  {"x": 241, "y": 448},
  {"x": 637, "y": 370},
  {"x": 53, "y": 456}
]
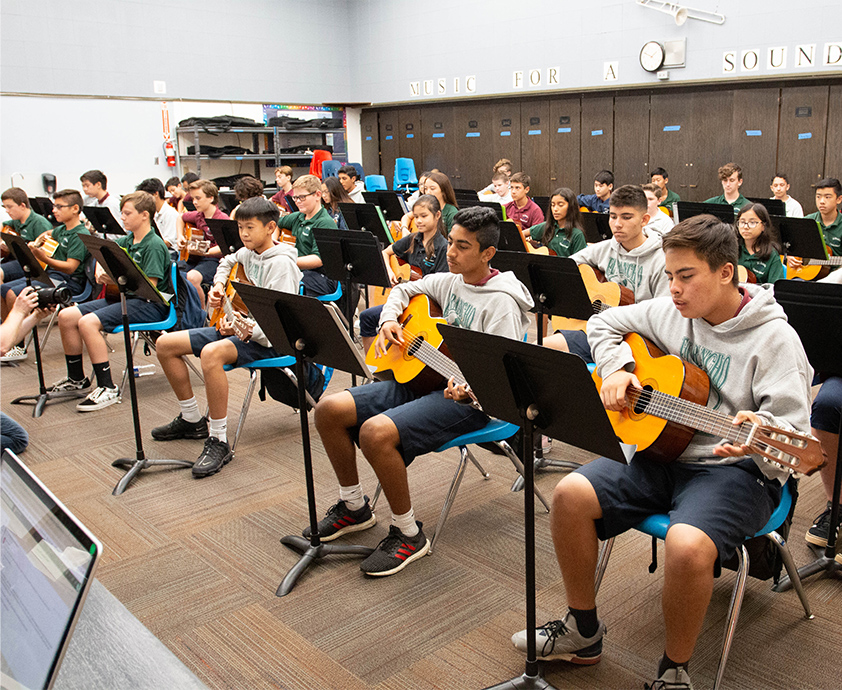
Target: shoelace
[
  {"x": 98, "y": 393},
  {"x": 392, "y": 541},
  {"x": 553, "y": 630}
]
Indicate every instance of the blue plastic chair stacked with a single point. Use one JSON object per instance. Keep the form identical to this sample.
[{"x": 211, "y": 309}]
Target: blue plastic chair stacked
[
  {"x": 405, "y": 179},
  {"x": 330, "y": 168},
  {"x": 375, "y": 183}
]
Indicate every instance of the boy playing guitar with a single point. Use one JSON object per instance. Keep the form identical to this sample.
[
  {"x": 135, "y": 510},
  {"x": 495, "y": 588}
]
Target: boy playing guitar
[{"x": 716, "y": 493}]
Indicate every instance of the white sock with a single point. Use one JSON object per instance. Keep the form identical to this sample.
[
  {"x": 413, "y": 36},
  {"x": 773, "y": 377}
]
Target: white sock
[
  {"x": 219, "y": 429},
  {"x": 190, "y": 410},
  {"x": 353, "y": 496},
  {"x": 406, "y": 523}
]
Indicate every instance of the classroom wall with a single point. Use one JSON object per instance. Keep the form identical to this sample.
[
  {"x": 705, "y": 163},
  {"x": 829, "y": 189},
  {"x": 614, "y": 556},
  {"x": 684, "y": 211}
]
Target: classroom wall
[{"x": 398, "y": 51}]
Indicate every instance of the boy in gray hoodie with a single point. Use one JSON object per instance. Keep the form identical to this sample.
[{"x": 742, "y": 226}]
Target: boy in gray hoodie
[
  {"x": 266, "y": 265},
  {"x": 716, "y": 494},
  {"x": 392, "y": 424},
  {"x": 631, "y": 258}
]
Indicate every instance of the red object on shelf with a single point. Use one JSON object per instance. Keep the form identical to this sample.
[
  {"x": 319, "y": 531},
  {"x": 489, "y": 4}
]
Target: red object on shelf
[{"x": 316, "y": 163}]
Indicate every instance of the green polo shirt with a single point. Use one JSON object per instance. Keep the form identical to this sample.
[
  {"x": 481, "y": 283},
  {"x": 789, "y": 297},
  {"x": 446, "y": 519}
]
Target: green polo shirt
[
  {"x": 832, "y": 232},
  {"x": 305, "y": 243},
  {"x": 71, "y": 247},
  {"x": 447, "y": 214},
  {"x": 560, "y": 243},
  {"x": 670, "y": 199},
  {"x": 767, "y": 271},
  {"x": 737, "y": 204},
  {"x": 152, "y": 255},
  {"x": 34, "y": 226}
]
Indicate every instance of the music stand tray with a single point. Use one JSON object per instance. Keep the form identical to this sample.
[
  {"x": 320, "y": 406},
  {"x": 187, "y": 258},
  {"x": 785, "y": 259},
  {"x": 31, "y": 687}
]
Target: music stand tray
[
  {"x": 122, "y": 269},
  {"x": 102, "y": 220},
  {"x": 226, "y": 233},
  {"x": 310, "y": 330},
  {"x": 596, "y": 227},
  {"x": 520, "y": 383},
  {"x": 391, "y": 204},
  {"x": 367, "y": 217}
]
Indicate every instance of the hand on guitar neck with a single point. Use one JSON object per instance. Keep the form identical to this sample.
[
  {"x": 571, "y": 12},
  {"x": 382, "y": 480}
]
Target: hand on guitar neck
[
  {"x": 227, "y": 310},
  {"x": 811, "y": 269},
  {"x": 192, "y": 242}
]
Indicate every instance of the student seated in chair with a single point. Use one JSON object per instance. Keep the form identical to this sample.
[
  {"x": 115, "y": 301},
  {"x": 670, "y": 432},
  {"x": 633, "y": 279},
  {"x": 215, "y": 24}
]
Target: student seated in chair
[
  {"x": 307, "y": 194},
  {"x": 82, "y": 324},
  {"x": 266, "y": 264},
  {"x": 347, "y": 177},
  {"x": 522, "y": 210},
  {"x": 561, "y": 231},
  {"x": 501, "y": 191},
  {"x": 780, "y": 191},
  {"x": 716, "y": 494},
  {"x": 603, "y": 185},
  {"x": 186, "y": 180},
  {"x": 660, "y": 177},
  {"x": 391, "y": 424},
  {"x": 502, "y": 167},
  {"x": 201, "y": 266},
  {"x": 828, "y": 198},
  {"x": 659, "y": 222},
  {"x": 247, "y": 187},
  {"x": 283, "y": 176},
  {"x": 166, "y": 217},
  {"x": 731, "y": 177},
  {"x": 632, "y": 258},
  {"x": 94, "y": 186},
  {"x": 175, "y": 191},
  {"x": 24, "y": 222}
]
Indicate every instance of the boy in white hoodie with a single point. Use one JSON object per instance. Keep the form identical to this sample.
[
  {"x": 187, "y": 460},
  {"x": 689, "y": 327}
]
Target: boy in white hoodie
[
  {"x": 631, "y": 258},
  {"x": 348, "y": 179},
  {"x": 716, "y": 493},
  {"x": 392, "y": 424},
  {"x": 267, "y": 265}
]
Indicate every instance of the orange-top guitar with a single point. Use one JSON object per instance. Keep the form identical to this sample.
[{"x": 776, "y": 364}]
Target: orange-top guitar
[
  {"x": 232, "y": 306},
  {"x": 813, "y": 269},
  {"x": 602, "y": 293},
  {"x": 196, "y": 242},
  {"x": 404, "y": 271},
  {"x": 46, "y": 242},
  {"x": 745, "y": 275},
  {"x": 662, "y": 418}
]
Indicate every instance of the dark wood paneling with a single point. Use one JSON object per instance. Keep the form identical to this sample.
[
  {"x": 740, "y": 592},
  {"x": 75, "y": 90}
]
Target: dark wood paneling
[
  {"x": 473, "y": 132},
  {"x": 505, "y": 133},
  {"x": 801, "y": 140},
  {"x": 438, "y": 139},
  {"x": 710, "y": 142},
  {"x": 754, "y": 137},
  {"x": 389, "y": 144},
  {"x": 409, "y": 140},
  {"x": 631, "y": 140},
  {"x": 565, "y": 141},
  {"x": 597, "y": 139},
  {"x": 370, "y": 135},
  {"x": 833, "y": 146},
  {"x": 535, "y": 144},
  {"x": 669, "y": 139}
]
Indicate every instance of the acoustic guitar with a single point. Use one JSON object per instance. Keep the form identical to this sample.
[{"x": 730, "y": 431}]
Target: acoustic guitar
[
  {"x": 196, "y": 242},
  {"x": 662, "y": 418},
  {"x": 745, "y": 275},
  {"x": 46, "y": 242},
  {"x": 813, "y": 269},
  {"x": 603, "y": 295},
  {"x": 527, "y": 245},
  {"x": 403, "y": 270},
  {"x": 232, "y": 306}
]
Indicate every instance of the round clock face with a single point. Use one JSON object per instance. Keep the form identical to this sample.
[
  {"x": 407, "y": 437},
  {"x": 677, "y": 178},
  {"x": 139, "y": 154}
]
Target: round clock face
[{"x": 652, "y": 56}]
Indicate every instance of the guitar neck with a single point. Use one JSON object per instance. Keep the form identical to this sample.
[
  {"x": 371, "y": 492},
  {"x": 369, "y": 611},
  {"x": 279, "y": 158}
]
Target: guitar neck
[
  {"x": 832, "y": 261},
  {"x": 438, "y": 362}
]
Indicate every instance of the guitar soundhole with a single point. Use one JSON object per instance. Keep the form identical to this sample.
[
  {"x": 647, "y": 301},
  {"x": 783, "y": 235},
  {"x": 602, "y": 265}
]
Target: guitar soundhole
[
  {"x": 642, "y": 401},
  {"x": 413, "y": 347}
]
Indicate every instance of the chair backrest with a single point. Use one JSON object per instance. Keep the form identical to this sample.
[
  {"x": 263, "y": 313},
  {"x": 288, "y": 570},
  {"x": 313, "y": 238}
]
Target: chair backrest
[
  {"x": 359, "y": 168},
  {"x": 404, "y": 173},
  {"x": 374, "y": 183},
  {"x": 319, "y": 157},
  {"x": 330, "y": 168}
]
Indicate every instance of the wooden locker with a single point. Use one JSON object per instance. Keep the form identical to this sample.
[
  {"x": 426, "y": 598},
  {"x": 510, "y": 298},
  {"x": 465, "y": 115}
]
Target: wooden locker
[
  {"x": 472, "y": 142},
  {"x": 437, "y": 137},
  {"x": 710, "y": 141},
  {"x": 410, "y": 145},
  {"x": 389, "y": 144},
  {"x": 801, "y": 140},
  {"x": 535, "y": 144},
  {"x": 505, "y": 135},
  {"x": 631, "y": 140},
  {"x": 669, "y": 139},
  {"x": 833, "y": 146},
  {"x": 754, "y": 137},
  {"x": 370, "y": 135},
  {"x": 565, "y": 142},
  {"x": 597, "y": 139}
]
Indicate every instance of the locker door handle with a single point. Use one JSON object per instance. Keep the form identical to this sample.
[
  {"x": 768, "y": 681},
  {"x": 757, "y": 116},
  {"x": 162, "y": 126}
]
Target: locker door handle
[
  {"x": 553, "y": 179},
  {"x": 693, "y": 186}
]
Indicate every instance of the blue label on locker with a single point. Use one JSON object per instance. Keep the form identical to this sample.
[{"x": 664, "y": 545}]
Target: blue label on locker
[
  {"x": 438, "y": 135},
  {"x": 368, "y": 138},
  {"x": 389, "y": 138},
  {"x": 505, "y": 134},
  {"x": 472, "y": 134},
  {"x": 533, "y": 132},
  {"x": 672, "y": 128},
  {"x": 805, "y": 135},
  {"x": 410, "y": 136},
  {"x": 563, "y": 129},
  {"x": 753, "y": 132},
  {"x": 596, "y": 132}
]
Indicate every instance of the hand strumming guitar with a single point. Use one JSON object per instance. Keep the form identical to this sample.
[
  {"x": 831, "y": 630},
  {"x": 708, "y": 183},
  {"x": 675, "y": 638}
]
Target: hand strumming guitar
[
  {"x": 102, "y": 277},
  {"x": 613, "y": 391},
  {"x": 215, "y": 295},
  {"x": 728, "y": 450},
  {"x": 390, "y": 332}
]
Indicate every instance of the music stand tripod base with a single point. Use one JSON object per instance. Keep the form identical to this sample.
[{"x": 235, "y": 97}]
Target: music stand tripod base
[
  {"x": 524, "y": 682},
  {"x": 311, "y": 552}
]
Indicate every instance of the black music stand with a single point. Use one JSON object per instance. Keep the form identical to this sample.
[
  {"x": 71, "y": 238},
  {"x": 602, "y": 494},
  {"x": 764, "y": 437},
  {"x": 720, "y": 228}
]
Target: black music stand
[
  {"x": 34, "y": 273},
  {"x": 493, "y": 205},
  {"x": 122, "y": 269},
  {"x": 391, "y": 204},
  {"x": 102, "y": 220},
  {"x": 520, "y": 383},
  {"x": 43, "y": 207},
  {"x": 800, "y": 237},
  {"x": 682, "y": 210},
  {"x": 814, "y": 310},
  {"x": 543, "y": 202},
  {"x": 226, "y": 233},
  {"x": 511, "y": 239},
  {"x": 367, "y": 217},
  {"x": 309, "y": 330},
  {"x": 596, "y": 227},
  {"x": 775, "y": 207}
]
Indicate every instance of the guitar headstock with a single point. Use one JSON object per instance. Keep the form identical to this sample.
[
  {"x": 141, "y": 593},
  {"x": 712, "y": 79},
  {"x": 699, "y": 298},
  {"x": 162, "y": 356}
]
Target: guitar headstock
[{"x": 790, "y": 451}]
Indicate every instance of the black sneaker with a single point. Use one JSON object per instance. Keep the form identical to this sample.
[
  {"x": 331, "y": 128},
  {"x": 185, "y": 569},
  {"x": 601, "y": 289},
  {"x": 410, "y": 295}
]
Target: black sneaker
[
  {"x": 338, "y": 520},
  {"x": 214, "y": 455},
  {"x": 179, "y": 428},
  {"x": 817, "y": 534},
  {"x": 395, "y": 552}
]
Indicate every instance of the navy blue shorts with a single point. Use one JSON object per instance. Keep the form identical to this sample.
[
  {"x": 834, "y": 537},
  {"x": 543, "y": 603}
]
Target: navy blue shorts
[
  {"x": 203, "y": 264},
  {"x": 827, "y": 406},
  {"x": 11, "y": 270},
  {"x": 369, "y": 321},
  {"x": 18, "y": 285},
  {"x": 317, "y": 284},
  {"x": 247, "y": 352},
  {"x": 110, "y": 314},
  {"x": 726, "y": 502},
  {"x": 424, "y": 423},
  {"x": 577, "y": 343}
]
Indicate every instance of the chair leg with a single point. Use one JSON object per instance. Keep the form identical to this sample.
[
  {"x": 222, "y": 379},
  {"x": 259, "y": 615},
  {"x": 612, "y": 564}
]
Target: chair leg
[
  {"x": 244, "y": 410},
  {"x": 602, "y": 563},
  {"x": 733, "y": 612},
  {"x": 451, "y": 494},
  {"x": 126, "y": 370},
  {"x": 471, "y": 457},
  {"x": 377, "y": 493},
  {"x": 43, "y": 341},
  {"x": 792, "y": 571},
  {"x": 507, "y": 449}
]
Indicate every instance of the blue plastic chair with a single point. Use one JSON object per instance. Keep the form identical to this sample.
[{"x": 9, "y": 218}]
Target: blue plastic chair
[
  {"x": 375, "y": 183},
  {"x": 330, "y": 168},
  {"x": 656, "y": 527},
  {"x": 359, "y": 168},
  {"x": 405, "y": 179},
  {"x": 495, "y": 432}
]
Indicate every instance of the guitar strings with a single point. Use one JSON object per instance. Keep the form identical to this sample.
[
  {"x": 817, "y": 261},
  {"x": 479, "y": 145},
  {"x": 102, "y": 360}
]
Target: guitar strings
[{"x": 417, "y": 345}]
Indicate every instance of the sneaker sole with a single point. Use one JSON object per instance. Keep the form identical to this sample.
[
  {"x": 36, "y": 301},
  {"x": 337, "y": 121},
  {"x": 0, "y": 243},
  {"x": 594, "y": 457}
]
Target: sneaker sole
[
  {"x": 176, "y": 437},
  {"x": 414, "y": 557},
  {"x": 98, "y": 406},
  {"x": 815, "y": 541},
  {"x": 201, "y": 475},
  {"x": 359, "y": 527},
  {"x": 569, "y": 657}
]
